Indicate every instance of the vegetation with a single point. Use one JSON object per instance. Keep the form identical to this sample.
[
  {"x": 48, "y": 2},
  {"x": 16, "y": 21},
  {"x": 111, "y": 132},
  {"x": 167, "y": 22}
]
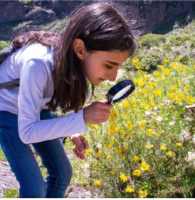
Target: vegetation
[
  {"x": 146, "y": 149},
  {"x": 25, "y": 1},
  {"x": 3, "y": 44},
  {"x": 11, "y": 193}
]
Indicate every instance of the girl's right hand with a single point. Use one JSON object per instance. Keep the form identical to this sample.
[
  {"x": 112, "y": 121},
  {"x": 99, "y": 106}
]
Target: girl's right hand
[{"x": 97, "y": 113}]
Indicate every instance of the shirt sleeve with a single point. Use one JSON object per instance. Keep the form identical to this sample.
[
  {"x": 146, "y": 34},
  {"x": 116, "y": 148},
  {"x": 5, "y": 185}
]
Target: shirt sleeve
[{"x": 31, "y": 129}]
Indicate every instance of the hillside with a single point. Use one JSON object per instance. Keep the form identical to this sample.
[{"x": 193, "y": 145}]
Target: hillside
[
  {"x": 173, "y": 174},
  {"x": 143, "y": 16}
]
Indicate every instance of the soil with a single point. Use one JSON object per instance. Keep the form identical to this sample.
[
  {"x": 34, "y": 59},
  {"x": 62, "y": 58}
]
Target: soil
[{"x": 8, "y": 181}]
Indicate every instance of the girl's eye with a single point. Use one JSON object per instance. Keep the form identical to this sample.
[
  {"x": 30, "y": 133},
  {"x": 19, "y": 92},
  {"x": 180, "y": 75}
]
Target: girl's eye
[{"x": 108, "y": 66}]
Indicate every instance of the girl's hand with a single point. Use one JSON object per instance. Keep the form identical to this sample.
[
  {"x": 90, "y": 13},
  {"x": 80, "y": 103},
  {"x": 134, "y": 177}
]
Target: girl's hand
[
  {"x": 80, "y": 145},
  {"x": 97, "y": 113}
]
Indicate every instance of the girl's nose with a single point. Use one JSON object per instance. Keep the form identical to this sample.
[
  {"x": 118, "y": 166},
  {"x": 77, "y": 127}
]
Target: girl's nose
[{"x": 112, "y": 76}]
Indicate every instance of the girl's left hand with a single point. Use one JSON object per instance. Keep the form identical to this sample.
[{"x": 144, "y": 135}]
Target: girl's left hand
[{"x": 81, "y": 145}]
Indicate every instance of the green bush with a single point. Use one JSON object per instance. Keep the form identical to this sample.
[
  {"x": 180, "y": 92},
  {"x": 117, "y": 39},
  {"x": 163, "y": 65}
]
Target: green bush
[
  {"x": 3, "y": 44},
  {"x": 185, "y": 60},
  {"x": 11, "y": 193},
  {"x": 146, "y": 148},
  {"x": 151, "y": 40},
  {"x": 25, "y": 1},
  {"x": 146, "y": 60}
]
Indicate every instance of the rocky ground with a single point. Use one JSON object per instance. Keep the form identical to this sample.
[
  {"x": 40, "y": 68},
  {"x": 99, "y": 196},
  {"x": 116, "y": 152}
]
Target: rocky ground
[{"x": 7, "y": 180}]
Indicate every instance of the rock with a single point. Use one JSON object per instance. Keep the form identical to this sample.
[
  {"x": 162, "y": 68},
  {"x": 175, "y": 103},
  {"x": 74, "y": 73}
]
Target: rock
[{"x": 17, "y": 18}]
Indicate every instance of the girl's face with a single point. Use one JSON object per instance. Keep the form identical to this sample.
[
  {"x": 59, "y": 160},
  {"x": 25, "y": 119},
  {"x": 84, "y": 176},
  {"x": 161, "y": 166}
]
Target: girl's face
[{"x": 99, "y": 66}]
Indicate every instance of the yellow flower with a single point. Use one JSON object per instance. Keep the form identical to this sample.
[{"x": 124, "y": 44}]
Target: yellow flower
[
  {"x": 143, "y": 193},
  {"x": 126, "y": 147},
  {"x": 160, "y": 66},
  {"x": 190, "y": 99},
  {"x": 87, "y": 152},
  {"x": 123, "y": 158},
  {"x": 134, "y": 61},
  {"x": 112, "y": 128},
  {"x": 145, "y": 106},
  {"x": 111, "y": 117},
  {"x": 174, "y": 88},
  {"x": 149, "y": 146},
  {"x": 179, "y": 83},
  {"x": 137, "y": 172},
  {"x": 129, "y": 189},
  {"x": 118, "y": 150},
  {"x": 166, "y": 61},
  {"x": 140, "y": 82},
  {"x": 156, "y": 73},
  {"x": 167, "y": 71},
  {"x": 150, "y": 132},
  {"x": 121, "y": 130},
  {"x": 179, "y": 144},
  {"x": 114, "y": 113},
  {"x": 112, "y": 172},
  {"x": 147, "y": 78},
  {"x": 144, "y": 166},
  {"x": 109, "y": 156},
  {"x": 173, "y": 64},
  {"x": 138, "y": 66},
  {"x": 141, "y": 72},
  {"x": 129, "y": 133},
  {"x": 142, "y": 123},
  {"x": 153, "y": 84},
  {"x": 126, "y": 104},
  {"x": 94, "y": 126},
  {"x": 144, "y": 91},
  {"x": 133, "y": 101},
  {"x": 171, "y": 134},
  {"x": 179, "y": 58},
  {"x": 181, "y": 68},
  {"x": 163, "y": 147},
  {"x": 109, "y": 145},
  {"x": 130, "y": 124},
  {"x": 123, "y": 177},
  {"x": 157, "y": 134},
  {"x": 135, "y": 158},
  {"x": 170, "y": 154},
  {"x": 97, "y": 182},
  {"x": 157, "y": 93},
  {"x": 98, "y": 153}
]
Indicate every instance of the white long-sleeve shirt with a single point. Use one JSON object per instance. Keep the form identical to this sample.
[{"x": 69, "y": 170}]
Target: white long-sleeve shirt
[{"x": 34, "y": 65}]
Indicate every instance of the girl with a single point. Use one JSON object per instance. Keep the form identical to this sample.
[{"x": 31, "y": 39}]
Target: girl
[{"x": 55, "y": 71}]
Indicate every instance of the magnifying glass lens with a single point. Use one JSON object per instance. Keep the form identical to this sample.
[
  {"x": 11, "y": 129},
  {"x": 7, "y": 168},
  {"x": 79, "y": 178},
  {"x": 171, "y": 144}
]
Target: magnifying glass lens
[{"x": 120, "y": 91}]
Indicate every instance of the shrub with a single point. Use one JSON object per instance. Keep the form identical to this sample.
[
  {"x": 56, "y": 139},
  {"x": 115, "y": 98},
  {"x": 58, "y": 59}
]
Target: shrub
[
  {"x": 3, "y": 44},
  {"x": 151, "y": 40},
  {"x": 146, "y": 147},
  {"x": 147, "y": 60},
  {"x": 11, "y": 193}
]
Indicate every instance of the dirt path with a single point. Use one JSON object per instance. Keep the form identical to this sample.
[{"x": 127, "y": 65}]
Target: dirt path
[{"x": 7, "y": 180}]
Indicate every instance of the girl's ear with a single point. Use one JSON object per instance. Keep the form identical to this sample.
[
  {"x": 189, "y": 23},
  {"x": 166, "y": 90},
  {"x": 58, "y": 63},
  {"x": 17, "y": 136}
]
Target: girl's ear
[{"x": 79, "y": 48}]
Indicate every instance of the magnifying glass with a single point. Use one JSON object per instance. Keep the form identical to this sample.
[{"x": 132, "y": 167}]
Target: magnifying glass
[{"x": 120, "y": 91}]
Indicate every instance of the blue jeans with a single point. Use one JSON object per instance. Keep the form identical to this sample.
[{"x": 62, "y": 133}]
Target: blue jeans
[{"x": 25, "y": 166}]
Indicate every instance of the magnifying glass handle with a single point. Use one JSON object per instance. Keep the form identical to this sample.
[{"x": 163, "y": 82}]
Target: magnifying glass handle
[{"x": 109, "y": 98}]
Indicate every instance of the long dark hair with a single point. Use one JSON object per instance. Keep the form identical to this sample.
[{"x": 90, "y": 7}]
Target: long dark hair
[{"x": 102, "y": 28}]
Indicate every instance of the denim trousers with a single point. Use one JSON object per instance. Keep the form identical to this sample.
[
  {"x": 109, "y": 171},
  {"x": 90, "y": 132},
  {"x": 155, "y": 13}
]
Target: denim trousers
[{"x": 24, "y": 165}]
